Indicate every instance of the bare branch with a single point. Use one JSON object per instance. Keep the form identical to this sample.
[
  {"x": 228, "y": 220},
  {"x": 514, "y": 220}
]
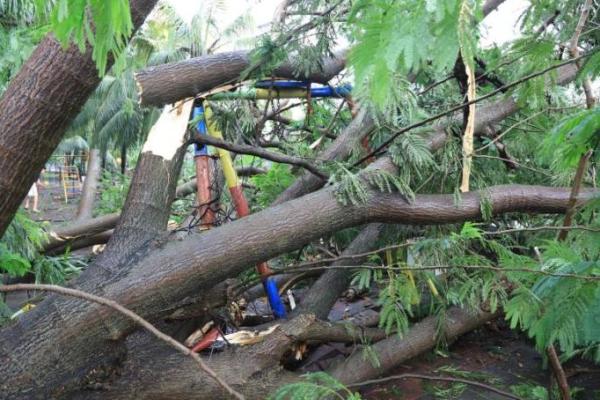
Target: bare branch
[
  {"x": 259, "y": 152},
  {"x": 129, "y": 314},
  {"x": 436, "y": 378}
]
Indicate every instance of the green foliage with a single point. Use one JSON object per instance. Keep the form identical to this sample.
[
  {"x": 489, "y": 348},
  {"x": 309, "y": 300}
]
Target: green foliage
[
  {"x": 12, "y": 263},
  {"x": 57, "y": 270},
  {"x": 113, "y": 192},
  {"x": 315, "y": 386},
  {"x": 106, "y": 25},
  {"x": 19, "y": 254},
  {"x": 411, "y": 152},
  {"x": 24, "y": 236},
  {"x": 531, "y": 55},
  {"x": 396, "y": 304},
  {"x": 591, "y": 66},
  {"x": 351, "y": 188},
  {"x": 394, "y": 38},
  {"x": 554, "y": 310},
  {"x": 272, "y": 184},
  {"x": 16, "y": 45},
  {"x": 573, "y": 137},
  {"x": 530, "y": 391}
]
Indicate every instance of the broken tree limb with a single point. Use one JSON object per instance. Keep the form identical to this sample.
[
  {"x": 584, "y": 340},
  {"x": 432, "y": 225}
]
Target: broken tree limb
[
  {"x": 423, "y": 336},
  {"x": 168, "y": 83}
]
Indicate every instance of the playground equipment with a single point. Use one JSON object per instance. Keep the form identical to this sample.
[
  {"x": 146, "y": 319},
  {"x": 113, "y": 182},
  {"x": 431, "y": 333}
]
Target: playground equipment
[
  {"x": 284, "y": 89},
  {"x": 71, "y": 181},
  {"x": 203, "y": 115}
]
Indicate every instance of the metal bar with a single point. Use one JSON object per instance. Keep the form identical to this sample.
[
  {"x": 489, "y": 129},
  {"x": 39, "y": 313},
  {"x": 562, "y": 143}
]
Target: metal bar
[
  {"x": 203, "y": 173},
  {"x": 266, "y": 93},
  {"x": 242, "y": 209}
]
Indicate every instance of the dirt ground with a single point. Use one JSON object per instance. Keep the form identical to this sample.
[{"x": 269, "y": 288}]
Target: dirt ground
[
  {"x": 493, "y": 355},
  {"x": 52, "y": 205}
]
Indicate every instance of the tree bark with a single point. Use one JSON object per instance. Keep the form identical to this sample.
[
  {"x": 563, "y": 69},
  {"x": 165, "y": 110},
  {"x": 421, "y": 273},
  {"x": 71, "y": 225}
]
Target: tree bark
[
  {"x": 123, "y": 158},
  {"x": 168, "y": 83},
  {"x": 38, "y": 105},
  {"x": 90, "y": 186},
  {"x": 394, "y": 350},
  {"x": 155, "y": 372}
]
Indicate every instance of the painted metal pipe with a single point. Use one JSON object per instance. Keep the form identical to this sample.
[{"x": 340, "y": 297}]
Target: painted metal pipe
[
  {"x": 203, "y": 173},
  {"x": 283, "y": 92},
  {"x": 242, "y": 209}
]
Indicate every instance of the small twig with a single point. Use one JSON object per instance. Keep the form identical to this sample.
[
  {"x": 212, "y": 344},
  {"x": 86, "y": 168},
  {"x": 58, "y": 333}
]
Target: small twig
[
  {"x": 539, "y": 171},
  {"x": 131, "y": 315},
  {"x": 542, "y": 228},
  {"x": 458, "y": 107},
  {"x": 436, "y": 378}
]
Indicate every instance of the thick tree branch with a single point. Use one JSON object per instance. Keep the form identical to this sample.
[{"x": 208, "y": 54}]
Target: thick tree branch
[{"x": 168, "y": 83}]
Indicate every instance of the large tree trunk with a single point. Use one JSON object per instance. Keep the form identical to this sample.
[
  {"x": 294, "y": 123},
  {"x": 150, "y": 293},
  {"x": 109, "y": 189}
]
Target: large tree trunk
[
  {"x": 39, "y": 103},
  {"x": 90, "y": 186},
  {"x": 168, "y": 83}
]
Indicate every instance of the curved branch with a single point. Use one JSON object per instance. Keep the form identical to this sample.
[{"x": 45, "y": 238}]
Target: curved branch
[
  {"x": 129, "y": 314},
  {"x": 260, "y": 152}
]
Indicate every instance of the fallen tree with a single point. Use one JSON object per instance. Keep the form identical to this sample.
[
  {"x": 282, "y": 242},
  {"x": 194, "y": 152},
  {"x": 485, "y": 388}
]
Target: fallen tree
[
  {"x": 96, "y": 355},
  {"x": 171, "y": 271}
]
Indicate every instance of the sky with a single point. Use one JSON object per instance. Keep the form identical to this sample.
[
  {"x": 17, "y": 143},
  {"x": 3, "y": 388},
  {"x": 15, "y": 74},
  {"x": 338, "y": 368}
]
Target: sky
[{"x": 498, "y": 27}]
